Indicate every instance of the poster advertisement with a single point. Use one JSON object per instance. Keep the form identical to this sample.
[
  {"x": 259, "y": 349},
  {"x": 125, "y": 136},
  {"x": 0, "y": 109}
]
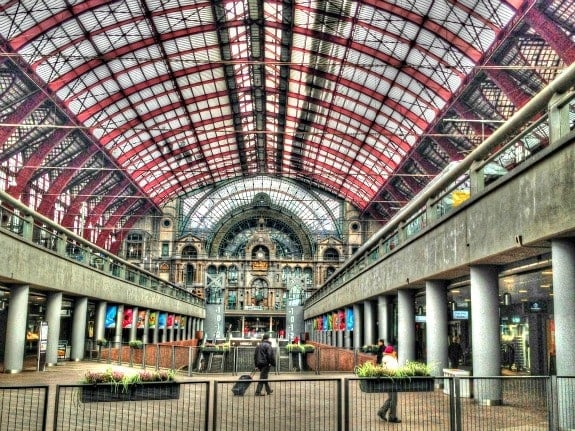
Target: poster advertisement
[
  {"x": 162, "y": 318},
  {"x": 111, "y": 313},
  {"x": 141, "y": 323},
  {"x": 127, "y": 318},
  {"x": 170, "y": 321},
  {"x": 153, "y": 320},
  {"x": 349, "y": 319}
]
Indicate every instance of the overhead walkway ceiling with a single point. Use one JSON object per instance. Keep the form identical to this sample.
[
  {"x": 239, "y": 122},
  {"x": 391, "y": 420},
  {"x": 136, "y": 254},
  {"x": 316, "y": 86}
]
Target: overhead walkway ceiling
[{"x": 116, "y": 107}]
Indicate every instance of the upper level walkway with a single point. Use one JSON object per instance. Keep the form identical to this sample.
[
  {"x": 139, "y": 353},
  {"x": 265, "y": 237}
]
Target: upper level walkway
[{"x": 501, "y": 205}]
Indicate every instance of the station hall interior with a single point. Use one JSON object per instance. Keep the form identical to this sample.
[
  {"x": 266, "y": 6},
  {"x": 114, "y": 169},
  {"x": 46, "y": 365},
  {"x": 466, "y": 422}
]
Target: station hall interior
[{"x": 241, "y": 155}]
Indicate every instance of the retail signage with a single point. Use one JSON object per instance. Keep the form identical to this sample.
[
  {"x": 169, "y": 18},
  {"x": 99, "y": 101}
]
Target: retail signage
[{"x": 460, "y": 314}]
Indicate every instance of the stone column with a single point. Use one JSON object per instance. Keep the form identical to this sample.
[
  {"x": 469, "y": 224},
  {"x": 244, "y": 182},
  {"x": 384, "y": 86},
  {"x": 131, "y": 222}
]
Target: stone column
[
  {"x": 436, "y": 321},
  {"x": 485, "y": 333},
  {"x": 405, "y": 326},
  {"x": 383, "y": 318},
  {"x": 368, "y": 323},
  {"x": 79, "y": 329},
  {"x": 16, "y": 329},
  {"x": 53, "y": 317},
  {"x": 357, "y": 325},
  {"x": 118, "y": 330},
  {"x": 100, "y": 323},
  {"x": 134, "y": 327},
  {"x": 563, "y": 258}
]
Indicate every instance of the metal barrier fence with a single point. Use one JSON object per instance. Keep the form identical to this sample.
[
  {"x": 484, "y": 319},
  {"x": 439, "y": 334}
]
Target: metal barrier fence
[
  {"x": 23, "y": 408},
  {"x": 306, "y": 404},
  {"x": 78, "y": 408}
]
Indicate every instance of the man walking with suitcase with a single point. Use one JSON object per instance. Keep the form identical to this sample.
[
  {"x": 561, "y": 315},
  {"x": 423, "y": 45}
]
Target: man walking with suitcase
[{"x": 264, "y": 359}]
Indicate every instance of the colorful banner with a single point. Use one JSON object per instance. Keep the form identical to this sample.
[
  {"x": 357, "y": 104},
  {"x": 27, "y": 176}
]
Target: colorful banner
[
  {"x": 152, "y": 320},
  {"x": 341, "y": 320},
  {"x": 182, "y": 322},
  {"x": 177, "y": 322},
  {"x": 141, "y": 323},
  {"x": 170, "y": 321},
  {"x": 324, "y": 324},
  {"x": 349, "y": 319},
  {"x": 111, "y": 313},
  {"x": 127, "y": 318},
  {"x": 162, "y": 318}
]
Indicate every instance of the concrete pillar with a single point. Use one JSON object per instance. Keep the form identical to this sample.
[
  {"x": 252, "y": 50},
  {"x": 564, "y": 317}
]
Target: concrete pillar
[
  {"x": 436, "y": 321},
  {"x": 79, "y": 329},
  {"x": 134, "y": 327},
  {"x": 405, "y": 325},
  {"x": 145, "y": 335},
  {"x": 155, "y": 331},
  {"x": 485, "y": 333},
  {"x": 563, "y": 258},
  {"x": 383, "y": 318},
  {"x": 357, "y": 325},
  {"x": 118, "y": 330},
  {"x": 16, "y": 329},
  {"x": 53, "y": 317},
  {"x": 368, "y": 323},
  {"x": 100, "y": 323},
  {"x": 339, "y": 340}
]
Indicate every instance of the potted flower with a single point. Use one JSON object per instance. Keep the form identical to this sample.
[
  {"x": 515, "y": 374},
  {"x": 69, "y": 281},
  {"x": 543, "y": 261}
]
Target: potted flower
[
  {"x": 215, "y": 348},
  {"x": 117, "y": 385},
  {"x": 300, "y": 348},
  {"x": 136, "y": 344},
  {"x": 369, "y": 348},
  {"x": 411, "y": 377},
  {"x": 102, "y": 342}
]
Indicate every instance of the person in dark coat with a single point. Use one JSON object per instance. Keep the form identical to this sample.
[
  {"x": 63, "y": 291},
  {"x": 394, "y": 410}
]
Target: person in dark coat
[
  {"x": 264, "y": 359},
  {"x": 454, "y": 353},
  {"x": 380, "y": 350}
]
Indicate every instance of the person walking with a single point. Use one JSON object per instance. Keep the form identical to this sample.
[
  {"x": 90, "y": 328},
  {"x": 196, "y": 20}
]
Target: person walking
[
  {"x": 380, "y": 350},
  {"x": 264, "y": 359},
  {"x": 389, "y": 361},
  {"x": 454, "y": 353}
]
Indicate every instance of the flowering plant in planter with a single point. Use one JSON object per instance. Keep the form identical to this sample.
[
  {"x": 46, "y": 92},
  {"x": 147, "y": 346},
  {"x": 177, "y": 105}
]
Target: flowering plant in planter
[
  {"x": 215, "y": 348},
  {"x": 101, "y": 342},
  {"x": 369, "y": 348},
  {"x": 300, "y": 348},
  {"x": 116, "y": 385},
  {"x": 136, "y": 344},
  {"x": 122, "y": 379},
  {"x": 411, "y": 377}
]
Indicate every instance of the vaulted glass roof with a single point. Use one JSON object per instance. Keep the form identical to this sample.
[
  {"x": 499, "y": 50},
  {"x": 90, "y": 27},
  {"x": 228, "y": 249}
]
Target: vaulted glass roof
[{"x": 148, "y": 100}]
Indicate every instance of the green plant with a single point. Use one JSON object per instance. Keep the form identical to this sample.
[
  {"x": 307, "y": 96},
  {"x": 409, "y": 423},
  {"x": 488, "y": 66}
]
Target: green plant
[
  {"x": 101, "y": 342},
  {"x": 209, "y": 347},
  {"x": 410, "y": 369},
  {"x": 119, "y": 379},
  {"x": 369, "y": 348},
  {"x": 299, "y": 348},
  {"x": 294, "y": 348},
  {"x": 136, "y": 344}
]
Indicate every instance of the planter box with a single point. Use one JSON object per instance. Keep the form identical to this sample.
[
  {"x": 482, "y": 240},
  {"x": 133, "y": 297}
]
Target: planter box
[
  {"x": 109, "y": 392},
  {"x": 404, "y": 384}
]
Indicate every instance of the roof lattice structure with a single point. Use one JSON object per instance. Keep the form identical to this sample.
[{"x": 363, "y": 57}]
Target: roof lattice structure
[{"x": 110, "y": 109}]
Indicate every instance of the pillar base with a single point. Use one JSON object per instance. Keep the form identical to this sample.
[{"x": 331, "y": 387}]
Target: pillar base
[
  {"x": 489, "y": 402},
  {"x": 7, "y": 371}
]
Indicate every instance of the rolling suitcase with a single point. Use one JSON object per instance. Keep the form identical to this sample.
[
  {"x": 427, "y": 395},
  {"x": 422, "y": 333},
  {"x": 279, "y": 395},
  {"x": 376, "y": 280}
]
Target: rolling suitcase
[{"x": 241, "y": 386}]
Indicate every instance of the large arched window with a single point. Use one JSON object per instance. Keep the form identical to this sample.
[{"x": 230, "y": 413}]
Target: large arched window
[
  {"x": 331, "y": 254},
  {"x": 189, "y": 252}
]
